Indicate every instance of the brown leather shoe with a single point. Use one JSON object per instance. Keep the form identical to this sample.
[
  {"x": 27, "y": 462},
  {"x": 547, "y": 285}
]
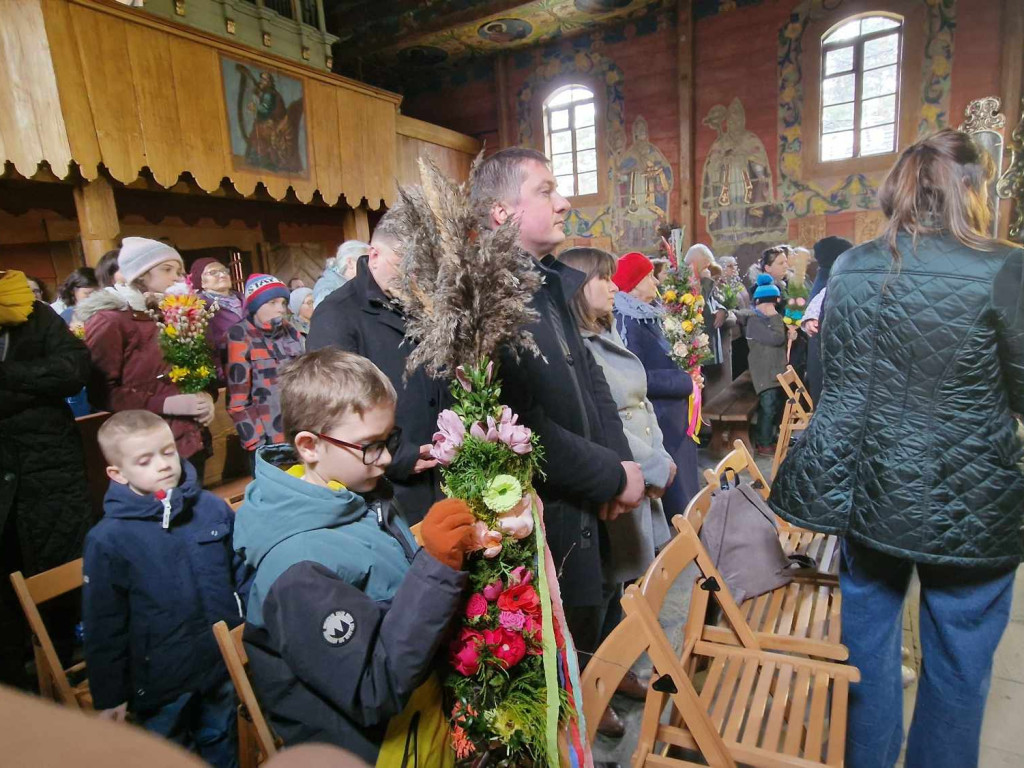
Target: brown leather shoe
[
  {"x": 611, "y": 725},
  {"x": 632, "y": 687}
]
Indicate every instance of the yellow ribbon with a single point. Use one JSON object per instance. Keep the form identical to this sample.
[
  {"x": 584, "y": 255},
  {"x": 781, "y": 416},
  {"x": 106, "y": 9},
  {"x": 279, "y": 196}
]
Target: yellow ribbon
[{"x": 16, "y": 298}]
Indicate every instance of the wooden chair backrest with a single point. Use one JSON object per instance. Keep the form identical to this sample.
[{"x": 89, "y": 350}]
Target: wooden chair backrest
[
  {"x": 796, "y": 392},
  {"x": 696, "y": 511},
  {"x": 606, "y": 668},
  {"x": 96, "y": 478},
  {"x": 32, "y": 592},
  {"x": 236, "y": 660},
  {"x": 682, "y": 551},
  {"x": 740, "y": 461}
]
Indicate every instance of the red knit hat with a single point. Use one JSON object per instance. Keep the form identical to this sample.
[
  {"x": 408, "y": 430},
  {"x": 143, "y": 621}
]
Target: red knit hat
[{"x": 632, "y": 268}]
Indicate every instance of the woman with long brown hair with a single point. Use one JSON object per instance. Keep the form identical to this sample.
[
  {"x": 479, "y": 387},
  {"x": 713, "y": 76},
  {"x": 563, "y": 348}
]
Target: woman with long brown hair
[{"x": 913, "y": 454}]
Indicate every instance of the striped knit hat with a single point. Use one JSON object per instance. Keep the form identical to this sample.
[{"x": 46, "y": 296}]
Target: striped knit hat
[{"x": 259, "y": 289}]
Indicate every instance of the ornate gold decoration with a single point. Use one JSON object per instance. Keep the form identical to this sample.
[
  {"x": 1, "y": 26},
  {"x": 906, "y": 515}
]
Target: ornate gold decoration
[
  {"x": 305, "y": 52},
  {"x": 266, "y": 39},
  {"x": 229, "y": 25},
  {"x": 179, "y": 7},
  {"x": 867, "y": 225},
  {"x": 983, "y": 115},
  {"x": 1011, "y": 183},
  {"x": 330, "y": 62}
]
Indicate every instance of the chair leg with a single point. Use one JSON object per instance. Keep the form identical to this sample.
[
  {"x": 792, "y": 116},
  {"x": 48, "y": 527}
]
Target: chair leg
[{"x": 248, "y": 752}]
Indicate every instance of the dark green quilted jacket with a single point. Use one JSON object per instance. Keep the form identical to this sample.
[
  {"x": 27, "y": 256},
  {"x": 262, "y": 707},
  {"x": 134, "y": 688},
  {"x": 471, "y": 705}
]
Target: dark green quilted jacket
[{"x": 913, "y": 449}]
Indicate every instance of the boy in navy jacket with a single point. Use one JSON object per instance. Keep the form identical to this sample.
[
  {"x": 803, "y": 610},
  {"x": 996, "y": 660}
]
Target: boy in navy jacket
[
  {"x": 159, "y": 571},
  {"x": 346, "y": 614}
]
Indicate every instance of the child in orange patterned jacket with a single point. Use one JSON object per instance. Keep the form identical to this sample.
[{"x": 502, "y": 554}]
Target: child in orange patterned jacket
[{"x": 257, "y": 349}]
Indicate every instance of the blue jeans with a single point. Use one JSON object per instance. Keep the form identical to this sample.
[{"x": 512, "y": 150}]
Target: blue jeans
[
  {"x": 202, "y": 723},
  {"x": 964, "y": 612}
]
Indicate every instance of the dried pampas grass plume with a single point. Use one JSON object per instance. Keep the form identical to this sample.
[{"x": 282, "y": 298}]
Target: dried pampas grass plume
[{"x": 465, "y": 289}]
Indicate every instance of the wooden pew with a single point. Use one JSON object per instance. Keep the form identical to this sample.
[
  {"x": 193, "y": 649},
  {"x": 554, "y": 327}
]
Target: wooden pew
[{"x": 730, "y": 413}]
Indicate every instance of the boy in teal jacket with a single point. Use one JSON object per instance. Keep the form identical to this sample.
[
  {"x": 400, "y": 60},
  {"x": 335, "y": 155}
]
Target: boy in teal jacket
[{"x": 346, "y": 614}]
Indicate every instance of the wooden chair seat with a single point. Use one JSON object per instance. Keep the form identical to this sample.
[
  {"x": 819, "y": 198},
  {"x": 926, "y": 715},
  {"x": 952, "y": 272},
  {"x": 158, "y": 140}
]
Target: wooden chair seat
[{"x": 730, "y": 703}]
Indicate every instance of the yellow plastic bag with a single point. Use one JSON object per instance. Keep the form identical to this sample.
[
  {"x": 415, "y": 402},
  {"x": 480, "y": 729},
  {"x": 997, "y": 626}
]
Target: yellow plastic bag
[{"x": 418, "y": 736}]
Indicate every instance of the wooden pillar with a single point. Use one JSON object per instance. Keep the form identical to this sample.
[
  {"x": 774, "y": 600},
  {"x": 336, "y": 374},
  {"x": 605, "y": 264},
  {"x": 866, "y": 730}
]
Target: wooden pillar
[
  {"x": 97, "y": 219},
  {"x": 501, "y": 75},
  {"x": 355, "y": 224},
  {"x": 684, "y": 84}
]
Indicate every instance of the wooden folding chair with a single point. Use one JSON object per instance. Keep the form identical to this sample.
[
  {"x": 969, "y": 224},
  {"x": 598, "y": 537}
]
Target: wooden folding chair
[
  {"x": 753, "y": 706},
  {"x": 54, "y": 681},
  {"x": 256, "y": 742},
  {"x": 795, "y": 416},
  {"x": 822, "y": 548}
]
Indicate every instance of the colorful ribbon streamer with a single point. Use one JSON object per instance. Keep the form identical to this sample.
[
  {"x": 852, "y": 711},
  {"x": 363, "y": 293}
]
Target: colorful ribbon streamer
[{"x": 693, "y": 414}]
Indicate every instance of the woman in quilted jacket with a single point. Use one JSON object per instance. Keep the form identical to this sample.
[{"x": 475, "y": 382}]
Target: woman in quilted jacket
[{"x": 913, "y": 455}]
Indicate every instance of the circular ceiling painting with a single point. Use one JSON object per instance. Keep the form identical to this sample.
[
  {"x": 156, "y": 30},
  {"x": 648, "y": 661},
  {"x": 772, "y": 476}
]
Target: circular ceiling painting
[
  {"x": 505, "y": 30},
  {"x": 422, "y": 55}
]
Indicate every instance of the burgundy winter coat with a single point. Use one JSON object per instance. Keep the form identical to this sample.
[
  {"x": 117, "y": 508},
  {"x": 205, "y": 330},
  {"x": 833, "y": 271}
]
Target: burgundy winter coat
[{"x": 128, "y": 366}]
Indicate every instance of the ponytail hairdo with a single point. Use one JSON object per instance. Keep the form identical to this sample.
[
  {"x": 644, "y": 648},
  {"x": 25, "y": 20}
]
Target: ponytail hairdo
[{"x": 939, "y": 185}]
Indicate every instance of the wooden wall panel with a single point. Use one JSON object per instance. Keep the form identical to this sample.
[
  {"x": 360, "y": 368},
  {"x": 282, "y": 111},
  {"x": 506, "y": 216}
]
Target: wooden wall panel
[
  {"x": 74, "y": 100},
  {"x": 31, "y": 124},
  {"x": 322, "y": 116},
  {"x": 451, "y": 162},
  {"x": 149, "y": 55},
  {"x": 103, "y": 47},
  {"x": 204, "y": 129}
]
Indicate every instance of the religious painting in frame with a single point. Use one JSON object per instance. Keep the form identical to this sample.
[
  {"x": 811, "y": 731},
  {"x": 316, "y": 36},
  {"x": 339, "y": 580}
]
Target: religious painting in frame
[{"x": 266, "y": 119}]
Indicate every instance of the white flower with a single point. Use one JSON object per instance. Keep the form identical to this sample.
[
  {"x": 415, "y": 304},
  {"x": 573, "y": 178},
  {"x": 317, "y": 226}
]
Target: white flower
[
  {"x": 703, "y": 340},
  {"x": 679, "y": 350}
]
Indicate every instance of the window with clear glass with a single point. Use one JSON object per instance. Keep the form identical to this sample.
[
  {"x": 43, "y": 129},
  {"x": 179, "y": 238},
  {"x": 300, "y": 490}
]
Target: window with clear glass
[
  {"x": 570, "y": 132},
  {"x": 860, "y": 83}
]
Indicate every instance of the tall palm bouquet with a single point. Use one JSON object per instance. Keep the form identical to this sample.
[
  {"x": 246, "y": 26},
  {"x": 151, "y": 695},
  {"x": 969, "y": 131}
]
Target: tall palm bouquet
[
  {"x": 689, "y": 343},
  {"x": 512, "y": 692}
]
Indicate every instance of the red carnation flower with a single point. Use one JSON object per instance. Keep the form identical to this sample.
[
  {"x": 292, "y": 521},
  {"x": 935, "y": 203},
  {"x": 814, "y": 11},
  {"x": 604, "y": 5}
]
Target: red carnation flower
[
  {"x": 507, "y": 647},
  {"x": 522, "y": 598},
  {"x": 465, "y": 652}
]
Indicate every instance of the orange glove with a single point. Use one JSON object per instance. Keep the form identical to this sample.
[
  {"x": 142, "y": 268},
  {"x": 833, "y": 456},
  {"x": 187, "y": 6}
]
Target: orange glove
[{"x": 447, "y": 531}]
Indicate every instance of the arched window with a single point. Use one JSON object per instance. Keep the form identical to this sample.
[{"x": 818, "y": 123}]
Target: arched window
[
  {"x": 860, "y": 85},
  {"x": 570, "y": 138}
]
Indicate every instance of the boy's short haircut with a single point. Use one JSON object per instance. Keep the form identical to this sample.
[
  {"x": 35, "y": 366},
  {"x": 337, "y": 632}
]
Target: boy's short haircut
[
  {"x": 121, "y": 425},
  {"x": 319, "y": 388}
]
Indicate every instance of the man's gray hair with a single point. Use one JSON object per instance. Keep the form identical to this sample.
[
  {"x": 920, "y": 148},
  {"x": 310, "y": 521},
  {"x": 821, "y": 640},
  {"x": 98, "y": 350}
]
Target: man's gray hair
[
  {"x": 728, "y": 261},
  {"x": 500, "y": 177}
]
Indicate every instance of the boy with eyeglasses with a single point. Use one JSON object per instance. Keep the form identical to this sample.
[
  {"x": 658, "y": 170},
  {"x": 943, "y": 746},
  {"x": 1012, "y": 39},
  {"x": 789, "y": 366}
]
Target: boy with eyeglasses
[{"x": 346, "y": 613}]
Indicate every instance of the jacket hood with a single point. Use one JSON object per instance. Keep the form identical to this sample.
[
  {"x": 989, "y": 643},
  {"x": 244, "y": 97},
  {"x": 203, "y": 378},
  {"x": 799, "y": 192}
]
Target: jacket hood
[
  {"x": 123, "y": 503},
  {"x": 120, "y": 298},
  {"x": 278, "y": 505}
]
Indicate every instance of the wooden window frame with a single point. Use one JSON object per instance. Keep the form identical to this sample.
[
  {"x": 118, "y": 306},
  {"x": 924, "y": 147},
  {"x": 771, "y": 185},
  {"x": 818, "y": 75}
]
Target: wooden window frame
[
  {"x": 600, "y": 118},
  {"x": 908, "y": 94}
]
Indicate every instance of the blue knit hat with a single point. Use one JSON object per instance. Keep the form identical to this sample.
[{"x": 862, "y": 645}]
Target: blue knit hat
[
  {"x": 259, "y": 289},
  {"x": 766, "y": 289}
]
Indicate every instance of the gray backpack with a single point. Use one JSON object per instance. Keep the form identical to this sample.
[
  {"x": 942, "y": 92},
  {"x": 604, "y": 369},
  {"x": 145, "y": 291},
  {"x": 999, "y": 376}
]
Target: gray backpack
[{"x": 740, "y": 535}]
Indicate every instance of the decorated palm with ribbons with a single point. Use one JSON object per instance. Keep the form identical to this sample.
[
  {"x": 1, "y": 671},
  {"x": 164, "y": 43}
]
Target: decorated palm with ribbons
[
  {"x": 512, "y": 693},
  {"x": 689, "y": 343}
]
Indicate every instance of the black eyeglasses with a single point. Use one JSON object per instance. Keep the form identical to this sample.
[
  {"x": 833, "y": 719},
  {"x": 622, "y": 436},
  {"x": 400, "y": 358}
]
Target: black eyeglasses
[{"x": 371, "y": 451}]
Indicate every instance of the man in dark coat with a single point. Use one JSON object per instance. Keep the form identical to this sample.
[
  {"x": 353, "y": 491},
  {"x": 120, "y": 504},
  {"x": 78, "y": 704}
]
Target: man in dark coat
[
  {"x": 44, "y": 500},
  {"x": 360, "y": 317},
  {"x": 563, "y": 396}
]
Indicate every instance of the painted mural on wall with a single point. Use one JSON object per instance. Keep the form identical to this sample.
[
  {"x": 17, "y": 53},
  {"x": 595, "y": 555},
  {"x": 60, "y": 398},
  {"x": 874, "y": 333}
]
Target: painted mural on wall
[
  {"x": 266, "y": 118},
  {"x": 642, "y": 183},
  {"x": 638, "y": 185},
  {"x": 803, "y": 197},
  {"x": 736, "y": 195}
]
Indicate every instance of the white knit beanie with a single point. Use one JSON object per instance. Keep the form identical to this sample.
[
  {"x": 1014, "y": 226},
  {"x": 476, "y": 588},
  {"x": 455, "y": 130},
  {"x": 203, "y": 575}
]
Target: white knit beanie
[{"x": 140, "y": 254}]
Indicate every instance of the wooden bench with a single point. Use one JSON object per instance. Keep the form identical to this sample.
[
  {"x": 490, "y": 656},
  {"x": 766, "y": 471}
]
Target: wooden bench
[
  {"x": 233, "y": 491},
  {"x": 730, "y": 413}
]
